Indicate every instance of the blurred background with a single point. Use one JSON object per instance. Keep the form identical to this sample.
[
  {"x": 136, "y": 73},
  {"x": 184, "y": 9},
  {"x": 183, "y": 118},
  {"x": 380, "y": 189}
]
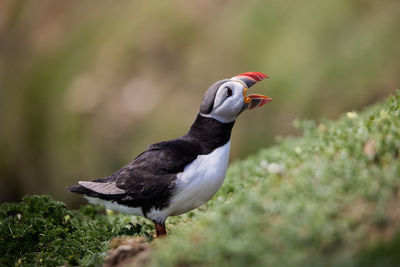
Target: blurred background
[{"x": 86, "y": 85}]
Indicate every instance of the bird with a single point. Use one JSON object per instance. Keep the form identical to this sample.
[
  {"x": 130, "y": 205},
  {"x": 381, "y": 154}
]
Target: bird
[{"x": 173, "y": 177}]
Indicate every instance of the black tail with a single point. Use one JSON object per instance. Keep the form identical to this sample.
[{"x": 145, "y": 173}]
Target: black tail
[{"x": 78, "y": 189}]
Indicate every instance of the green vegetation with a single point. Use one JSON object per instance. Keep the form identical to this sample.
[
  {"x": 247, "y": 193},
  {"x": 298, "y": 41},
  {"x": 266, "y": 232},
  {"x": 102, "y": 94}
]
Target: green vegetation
[
  {"x": 40, "y": 231},
  {"x": 330, "y": 197}
]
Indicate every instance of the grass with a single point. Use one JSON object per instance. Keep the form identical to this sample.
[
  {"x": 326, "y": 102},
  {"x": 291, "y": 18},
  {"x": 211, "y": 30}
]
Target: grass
[
  {"x": 41, "y": 232},
  {"x": 330, "y": 197}
]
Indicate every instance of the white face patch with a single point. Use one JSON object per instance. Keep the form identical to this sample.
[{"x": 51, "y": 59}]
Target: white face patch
[{"x": 228, "y": 102}]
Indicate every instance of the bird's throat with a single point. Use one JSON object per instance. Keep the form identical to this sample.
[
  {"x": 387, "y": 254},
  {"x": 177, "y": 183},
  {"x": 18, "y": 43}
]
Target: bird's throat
[{"x": 210, "y": 131}]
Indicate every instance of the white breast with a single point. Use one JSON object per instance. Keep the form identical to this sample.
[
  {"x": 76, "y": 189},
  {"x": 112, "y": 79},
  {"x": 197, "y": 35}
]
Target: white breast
[{"x": 199, "y": 181}]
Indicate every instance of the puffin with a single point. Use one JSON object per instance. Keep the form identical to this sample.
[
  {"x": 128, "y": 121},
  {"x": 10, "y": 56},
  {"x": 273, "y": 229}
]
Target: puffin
[{"x": 175, "y": 176}]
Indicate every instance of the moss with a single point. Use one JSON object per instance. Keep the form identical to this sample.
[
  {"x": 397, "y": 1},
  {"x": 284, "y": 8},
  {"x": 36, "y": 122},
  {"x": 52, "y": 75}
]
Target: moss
[{"x": 40, "y": 231}]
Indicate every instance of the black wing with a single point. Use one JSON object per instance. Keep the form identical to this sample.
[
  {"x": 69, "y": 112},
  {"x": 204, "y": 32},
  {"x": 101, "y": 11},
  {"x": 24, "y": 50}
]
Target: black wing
[{"x": 165, "y": 158}]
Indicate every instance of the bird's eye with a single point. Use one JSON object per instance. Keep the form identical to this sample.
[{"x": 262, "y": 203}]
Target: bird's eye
[{"x": 229, "y": 91}]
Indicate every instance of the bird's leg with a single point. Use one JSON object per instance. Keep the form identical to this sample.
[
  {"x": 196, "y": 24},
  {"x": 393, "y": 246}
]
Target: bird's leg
[{"x": 160, "y": 229}]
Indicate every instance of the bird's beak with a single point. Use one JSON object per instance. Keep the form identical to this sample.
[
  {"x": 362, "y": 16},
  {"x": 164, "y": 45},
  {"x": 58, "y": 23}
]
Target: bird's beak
[
  {"x": 255, "y": 100},
  {"x": 248, "y": 79}
]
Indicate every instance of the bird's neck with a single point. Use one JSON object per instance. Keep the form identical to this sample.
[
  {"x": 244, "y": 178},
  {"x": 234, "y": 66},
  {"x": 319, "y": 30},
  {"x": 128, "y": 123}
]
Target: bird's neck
[{"x": 210, "y": 131}]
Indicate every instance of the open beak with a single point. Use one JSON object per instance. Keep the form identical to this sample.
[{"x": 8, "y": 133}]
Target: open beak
[
  {"x": 248, "y": 79},
  {"x": 255, "y": 100}
]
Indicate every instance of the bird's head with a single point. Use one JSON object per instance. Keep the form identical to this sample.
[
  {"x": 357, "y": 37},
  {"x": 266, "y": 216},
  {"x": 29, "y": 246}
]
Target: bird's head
[{"x": 227, "y": 98}]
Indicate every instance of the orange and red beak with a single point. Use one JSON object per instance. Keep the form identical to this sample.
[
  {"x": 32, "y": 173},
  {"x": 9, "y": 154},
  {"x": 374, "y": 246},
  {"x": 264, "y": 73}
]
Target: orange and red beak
[
  {"x": 258, "y": 101},
  {"x": 248, "y": 79}
]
